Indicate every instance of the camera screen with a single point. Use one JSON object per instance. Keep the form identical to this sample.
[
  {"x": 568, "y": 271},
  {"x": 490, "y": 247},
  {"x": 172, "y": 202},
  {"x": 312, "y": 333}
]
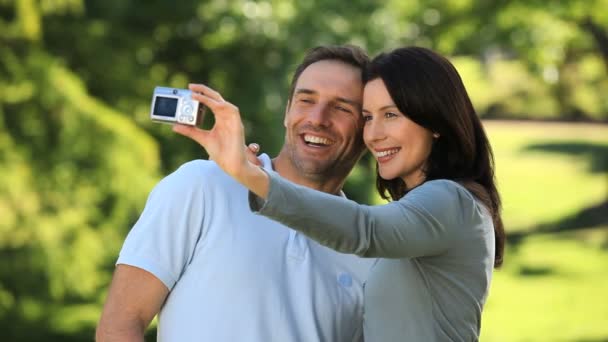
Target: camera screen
[{"x": 165, "y": 106}]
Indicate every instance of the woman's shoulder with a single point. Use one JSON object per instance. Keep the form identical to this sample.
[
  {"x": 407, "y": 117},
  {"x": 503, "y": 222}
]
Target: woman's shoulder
[
  {"x": 449, "y": 197},
  {"x": 442, "y": 188}
]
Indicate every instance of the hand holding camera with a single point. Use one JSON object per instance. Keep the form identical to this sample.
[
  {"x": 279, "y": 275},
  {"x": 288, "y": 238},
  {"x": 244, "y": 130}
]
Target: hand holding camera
[
  {"x": 225, "y": 141},
  {"x": 172, "y": 105}
]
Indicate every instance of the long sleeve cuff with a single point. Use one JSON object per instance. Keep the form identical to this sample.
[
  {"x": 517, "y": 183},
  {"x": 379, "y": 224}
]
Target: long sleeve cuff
[{"x": 257, "y": 203}]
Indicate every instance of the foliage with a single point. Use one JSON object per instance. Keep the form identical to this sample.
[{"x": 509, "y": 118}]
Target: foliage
[{"x": 74, "y": 172}]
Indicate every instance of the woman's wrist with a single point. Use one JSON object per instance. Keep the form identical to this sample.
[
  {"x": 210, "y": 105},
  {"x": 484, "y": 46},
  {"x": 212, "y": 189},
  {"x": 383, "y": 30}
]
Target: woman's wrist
[{"x": 255, "y": 179}]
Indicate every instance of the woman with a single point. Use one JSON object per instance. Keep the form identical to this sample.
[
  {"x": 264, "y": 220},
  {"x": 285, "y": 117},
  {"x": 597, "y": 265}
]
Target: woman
[{"x": 441, "y": 236}]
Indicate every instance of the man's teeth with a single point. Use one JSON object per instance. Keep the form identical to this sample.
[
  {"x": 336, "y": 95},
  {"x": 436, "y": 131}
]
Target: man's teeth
[
  {"x": 316, "y": 140},
  {"x": 386, "y": 153}
]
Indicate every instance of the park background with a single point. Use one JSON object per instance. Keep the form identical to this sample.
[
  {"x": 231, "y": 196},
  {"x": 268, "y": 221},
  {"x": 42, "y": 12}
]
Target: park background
[{"x": 78, "y": 153}]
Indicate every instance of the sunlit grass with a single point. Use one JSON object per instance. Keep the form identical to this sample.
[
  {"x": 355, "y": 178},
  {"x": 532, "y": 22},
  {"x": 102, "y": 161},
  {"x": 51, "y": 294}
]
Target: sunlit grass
[
  {"x": 544, "y": 186},
  {"x": 553, "y": 286},
  {"x": 552, "y": 289}
]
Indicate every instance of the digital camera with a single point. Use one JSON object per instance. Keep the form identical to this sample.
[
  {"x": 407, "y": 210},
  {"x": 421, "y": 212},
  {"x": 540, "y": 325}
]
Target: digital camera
[{"x": 172, "y": 105}]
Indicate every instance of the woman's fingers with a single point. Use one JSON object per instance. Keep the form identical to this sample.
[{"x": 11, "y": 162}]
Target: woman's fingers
[
  {"x": 206, "y": 96},
  {"x": 206, "y": 100},
  {"x": 194, "y": 133},
  {"x": 219, "y": 108},
  {"x": 225, "y": 141},
  {"x": 203, "y": 89}
]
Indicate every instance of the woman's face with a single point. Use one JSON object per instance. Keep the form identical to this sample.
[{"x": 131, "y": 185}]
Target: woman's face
[{"x": 400, "y": 146}]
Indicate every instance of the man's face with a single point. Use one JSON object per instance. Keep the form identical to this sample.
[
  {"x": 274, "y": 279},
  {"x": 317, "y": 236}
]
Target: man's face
[{"x": 323, "y": 120}]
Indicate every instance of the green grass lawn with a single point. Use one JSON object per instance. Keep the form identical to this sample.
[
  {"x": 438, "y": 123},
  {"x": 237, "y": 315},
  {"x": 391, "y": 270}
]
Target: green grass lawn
[
  {"x": 554, "y": 285},
  {"x": 548, "y": 171}
]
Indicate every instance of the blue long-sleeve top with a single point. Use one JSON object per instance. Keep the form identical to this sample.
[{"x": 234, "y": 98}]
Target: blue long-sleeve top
[{"x": 436, "y": 250}]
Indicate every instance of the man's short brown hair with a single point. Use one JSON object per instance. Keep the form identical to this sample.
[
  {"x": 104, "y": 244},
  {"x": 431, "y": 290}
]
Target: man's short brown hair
[{"x": 348, "y": 54}]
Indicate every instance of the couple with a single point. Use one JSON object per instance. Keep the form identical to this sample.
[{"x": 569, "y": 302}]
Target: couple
[{"x": 216, "y": 271}]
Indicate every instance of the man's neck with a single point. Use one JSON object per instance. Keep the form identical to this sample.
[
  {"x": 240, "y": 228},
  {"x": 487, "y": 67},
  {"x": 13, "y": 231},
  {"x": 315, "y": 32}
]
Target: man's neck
[{"x": 331, "y": 184}]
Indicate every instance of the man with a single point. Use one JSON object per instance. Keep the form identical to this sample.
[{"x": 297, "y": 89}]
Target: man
[{"x": 213, "y": 271}]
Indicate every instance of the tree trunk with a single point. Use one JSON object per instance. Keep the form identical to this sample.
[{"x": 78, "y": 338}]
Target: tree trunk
[{"x": 599, "y": 35}]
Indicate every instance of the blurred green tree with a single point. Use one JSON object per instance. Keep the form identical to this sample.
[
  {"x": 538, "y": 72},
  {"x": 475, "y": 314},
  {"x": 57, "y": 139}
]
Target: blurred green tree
[
  {"x": 77, "y": 150},
  {"x": 74, "y": 172}
]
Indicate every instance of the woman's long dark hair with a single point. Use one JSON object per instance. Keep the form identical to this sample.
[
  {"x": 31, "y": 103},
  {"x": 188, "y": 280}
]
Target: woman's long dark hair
[{"x": 427, "y": 88}]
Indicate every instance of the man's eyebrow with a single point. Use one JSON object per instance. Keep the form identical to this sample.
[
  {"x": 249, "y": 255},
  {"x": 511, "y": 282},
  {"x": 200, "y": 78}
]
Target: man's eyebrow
[
  {"x": 304, "y": 91},
  {"x": 354, "y": 103}
]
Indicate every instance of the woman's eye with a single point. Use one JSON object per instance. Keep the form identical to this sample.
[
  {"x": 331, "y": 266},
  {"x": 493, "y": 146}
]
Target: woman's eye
[
  {"x": 390, "y": 115},
  {"x": 367, "y": 118},
  {"x": 306, "y": 100}
]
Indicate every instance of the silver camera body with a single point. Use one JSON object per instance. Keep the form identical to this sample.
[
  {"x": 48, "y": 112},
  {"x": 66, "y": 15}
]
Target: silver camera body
[{"x": 173, "y": 105}]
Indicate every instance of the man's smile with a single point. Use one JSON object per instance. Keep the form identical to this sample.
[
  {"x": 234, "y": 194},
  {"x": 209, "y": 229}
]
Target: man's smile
[{"x": 316, "y": 140}]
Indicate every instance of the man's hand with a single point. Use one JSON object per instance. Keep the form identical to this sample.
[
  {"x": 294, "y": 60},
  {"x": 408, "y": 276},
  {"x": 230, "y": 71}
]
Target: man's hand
[
  {"x": 252, "y": 154},
  {"x": 134, "y": 298}
]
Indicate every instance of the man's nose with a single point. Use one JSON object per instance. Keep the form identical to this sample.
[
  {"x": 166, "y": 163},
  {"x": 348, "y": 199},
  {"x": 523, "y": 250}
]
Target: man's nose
[{"x": 319, "y": 115}]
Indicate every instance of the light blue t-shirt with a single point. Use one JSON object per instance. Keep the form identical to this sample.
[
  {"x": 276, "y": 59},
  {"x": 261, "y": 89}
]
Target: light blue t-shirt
[{"x": 237, "y": 276}]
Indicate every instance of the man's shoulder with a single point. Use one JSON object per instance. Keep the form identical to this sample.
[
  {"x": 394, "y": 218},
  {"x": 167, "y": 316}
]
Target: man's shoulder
[
  {"x": 203, "y": 169},
  {"x": 195, "y": 172},
  {"x": 203, "y": 175},
  {"x": 198, "y": 167},
  {"x": 192, "y": 176}
]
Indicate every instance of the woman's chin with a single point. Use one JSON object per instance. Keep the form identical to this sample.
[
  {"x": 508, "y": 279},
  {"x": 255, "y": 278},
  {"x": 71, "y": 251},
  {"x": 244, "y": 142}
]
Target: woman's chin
[{"x": 387, "y": 175}]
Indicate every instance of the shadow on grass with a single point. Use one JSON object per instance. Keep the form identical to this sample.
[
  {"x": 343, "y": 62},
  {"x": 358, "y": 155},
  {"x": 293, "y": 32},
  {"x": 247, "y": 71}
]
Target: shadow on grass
[
  {"x": 594, "y": 216},
  {"x": 535, "y": 271},
  {"x": 595, "y": 152}
]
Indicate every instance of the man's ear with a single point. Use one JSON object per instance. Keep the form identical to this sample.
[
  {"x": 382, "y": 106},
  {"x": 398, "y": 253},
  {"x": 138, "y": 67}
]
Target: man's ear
[{"x": 285, "y": 115}]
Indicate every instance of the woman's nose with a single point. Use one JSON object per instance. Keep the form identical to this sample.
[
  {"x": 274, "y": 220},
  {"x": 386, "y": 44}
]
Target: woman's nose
[{"x": 373, "y": 131}]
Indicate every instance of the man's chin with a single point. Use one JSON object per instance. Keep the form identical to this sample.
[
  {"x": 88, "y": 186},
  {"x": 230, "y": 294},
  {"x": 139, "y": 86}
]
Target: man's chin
[
  {"x": 315, "y": 169},
  {"x": 312, "y": 166}
]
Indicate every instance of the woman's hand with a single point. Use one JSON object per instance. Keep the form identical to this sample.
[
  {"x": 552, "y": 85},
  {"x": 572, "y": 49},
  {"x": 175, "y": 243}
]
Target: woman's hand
[{"x": 225, "y": 141}]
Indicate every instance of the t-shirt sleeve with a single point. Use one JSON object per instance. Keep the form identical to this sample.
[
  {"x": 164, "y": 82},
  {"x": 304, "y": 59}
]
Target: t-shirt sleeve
[
  {"x": 164, "y": 238},
  {"x": 422, "y": 223}
]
